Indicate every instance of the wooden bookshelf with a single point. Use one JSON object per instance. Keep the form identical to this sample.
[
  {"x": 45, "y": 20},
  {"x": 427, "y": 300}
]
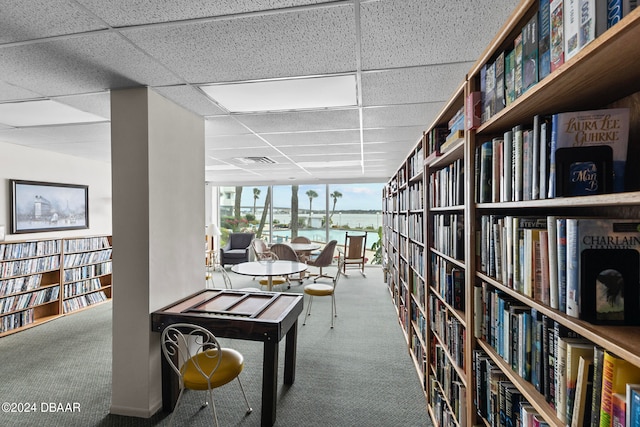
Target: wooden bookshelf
[
  {"x": 41, "y": 280},
  {"x": 604, "y": 74}
]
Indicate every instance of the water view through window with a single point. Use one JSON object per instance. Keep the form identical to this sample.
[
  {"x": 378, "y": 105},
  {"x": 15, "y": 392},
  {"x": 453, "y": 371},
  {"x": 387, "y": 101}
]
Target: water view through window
[{"x": 320, "y": 212}]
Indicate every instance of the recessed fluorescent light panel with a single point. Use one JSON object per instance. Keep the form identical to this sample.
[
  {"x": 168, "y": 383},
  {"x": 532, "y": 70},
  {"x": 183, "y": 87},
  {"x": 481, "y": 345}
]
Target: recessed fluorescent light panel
[
  {"x": 43, "y": 113},
  {"x": 282, "y": 95}
]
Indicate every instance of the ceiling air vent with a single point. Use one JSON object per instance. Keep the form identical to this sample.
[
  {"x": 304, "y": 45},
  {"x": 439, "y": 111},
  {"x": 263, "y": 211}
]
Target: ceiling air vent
[{"x": 254, "y": 160}]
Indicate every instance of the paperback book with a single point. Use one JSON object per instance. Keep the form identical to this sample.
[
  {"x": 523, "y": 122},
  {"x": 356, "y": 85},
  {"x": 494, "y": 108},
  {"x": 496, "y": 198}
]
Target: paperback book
[
  {"x": 609, "y": 274},
  {"x": 593, "y": 128}
]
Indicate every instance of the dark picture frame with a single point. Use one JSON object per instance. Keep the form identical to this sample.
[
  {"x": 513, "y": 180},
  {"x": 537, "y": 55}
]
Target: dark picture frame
[{"x": 47, "y": 206}]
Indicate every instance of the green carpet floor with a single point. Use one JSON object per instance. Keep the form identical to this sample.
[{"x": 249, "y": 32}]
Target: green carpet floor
[{"x": 357, "y": 374}]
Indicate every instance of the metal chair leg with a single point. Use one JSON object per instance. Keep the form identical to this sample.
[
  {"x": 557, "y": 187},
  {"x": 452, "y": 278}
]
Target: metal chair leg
[
  {"x": 304, "y": 322},
  {"x": 334, "y": 311},
  {"x": 249, "y": 408},
  {"x": 213, "y": 408}
]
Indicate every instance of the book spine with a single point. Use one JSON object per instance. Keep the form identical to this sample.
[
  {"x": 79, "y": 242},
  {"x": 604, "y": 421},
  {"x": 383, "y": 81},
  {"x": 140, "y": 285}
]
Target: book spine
[
  {"x": 552, "y": 157},
  {"x": 562, "y": 263},
  {"x": 598, "y": 361},
  {"x": 535, "y": 172},
  {"x": 544, "y": 53},
  {"x": 614, "y": 12},
  {"x": 634, "y": 411},
  {"x": 517, "y": 163},
  {"x": 552, "y": 249},
  {"x": 507, "y": 165},
  {"x": 556, "y": 33},
  {"x": 573, "y": 277}
]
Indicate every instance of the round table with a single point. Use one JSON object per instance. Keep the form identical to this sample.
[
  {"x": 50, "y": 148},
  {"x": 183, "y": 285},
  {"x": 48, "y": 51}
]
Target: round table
[
  {"x": 303, "y": 247},
  {"x": 269, "y": 268}
]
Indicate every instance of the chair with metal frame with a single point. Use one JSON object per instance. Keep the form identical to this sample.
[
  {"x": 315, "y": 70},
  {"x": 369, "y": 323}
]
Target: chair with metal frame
[
  {"x": 286, "y": 253},
  {"x": 324, "y": 290},
  {"x": 196, "y": 356},
  {"x": 325, "y": 259}
]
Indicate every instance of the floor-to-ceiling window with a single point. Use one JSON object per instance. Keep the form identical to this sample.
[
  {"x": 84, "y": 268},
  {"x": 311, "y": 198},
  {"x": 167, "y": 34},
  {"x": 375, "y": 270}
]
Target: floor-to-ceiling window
[{"x": 320, "y": 212}]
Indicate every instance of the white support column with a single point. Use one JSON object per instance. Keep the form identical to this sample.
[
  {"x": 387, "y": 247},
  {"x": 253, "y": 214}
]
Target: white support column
[{"x": 157, "y": 152}]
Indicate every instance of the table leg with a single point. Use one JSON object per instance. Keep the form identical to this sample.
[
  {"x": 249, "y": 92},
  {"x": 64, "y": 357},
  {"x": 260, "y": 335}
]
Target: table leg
[
  {"x": 269, "y": 383},
  {"x": 170, "y": 386},
  {"x": 269, "y": 283},
  {"x": 291, "y": 342}
]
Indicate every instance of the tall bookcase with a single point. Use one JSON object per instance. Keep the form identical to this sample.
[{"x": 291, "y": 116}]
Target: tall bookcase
[
  {"x": 41, "y": 280},
  {"x": 436, "y": 277}
]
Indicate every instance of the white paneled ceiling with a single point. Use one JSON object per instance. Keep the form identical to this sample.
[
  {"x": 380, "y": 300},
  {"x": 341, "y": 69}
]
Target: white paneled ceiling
[{"x": 408, "y": 57}]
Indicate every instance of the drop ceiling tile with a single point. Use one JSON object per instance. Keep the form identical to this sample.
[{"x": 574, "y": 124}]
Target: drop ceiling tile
[
  {"x": 413, "y": 85},
  {"x": 412, "y": 133},
  {"x": 400, "y": 115},
  {"x": 313, "y": 138},
  {"x": 302, "y": 121},
  {"x": 128, "y": 12},
  {"x": 26, "y": 137},
  {"x": 234, "y": 143},
  {"x": 298, "y": 43},
  {"x": 95, "y": 103},
  {"x": 322, "y": 149},
  {"x": 35, "y": 19},
  {"x": 397, "y": 34},
  {"x": 224, "y": 125},
  {"x": 84, "y": 64},
  {"x": 94, "y": 132},
  {"x": 229, "y": 155},
  {"x": 191, "y": 99},
  {"x": 9, "y": 92}
]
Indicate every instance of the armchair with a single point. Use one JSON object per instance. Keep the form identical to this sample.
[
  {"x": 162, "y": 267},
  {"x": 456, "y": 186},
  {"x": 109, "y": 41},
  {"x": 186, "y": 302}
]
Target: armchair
[{"x": 237, "y": 249}]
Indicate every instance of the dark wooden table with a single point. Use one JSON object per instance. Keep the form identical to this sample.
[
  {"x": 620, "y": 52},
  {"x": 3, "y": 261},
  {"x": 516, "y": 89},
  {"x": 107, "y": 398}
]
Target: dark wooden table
[{"x": 247, "y": 315}]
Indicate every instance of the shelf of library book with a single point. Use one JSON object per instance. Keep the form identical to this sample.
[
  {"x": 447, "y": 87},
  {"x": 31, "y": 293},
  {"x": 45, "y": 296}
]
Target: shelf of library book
[
  {"x": 605, "y": 70},
  {"x": 532, "y": 395},
  {"x": 621, "y": 340},
  {"x": 627, "y": 199}
]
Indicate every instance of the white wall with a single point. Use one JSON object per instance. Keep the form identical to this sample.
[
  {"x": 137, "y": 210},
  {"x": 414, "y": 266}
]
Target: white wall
[
  {"x": 158, "y": 234},
  {"x": 18, "y": 162}
]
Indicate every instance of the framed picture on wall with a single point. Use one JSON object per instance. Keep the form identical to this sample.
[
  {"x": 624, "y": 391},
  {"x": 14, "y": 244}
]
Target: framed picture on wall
[{"x": 46, "y": 206}]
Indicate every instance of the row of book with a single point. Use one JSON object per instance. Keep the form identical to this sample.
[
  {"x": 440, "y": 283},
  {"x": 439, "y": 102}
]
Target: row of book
[
  {"x": 448, "y": 236},
  {"x": 415, "y": 226},
  {"x": 418, "y": 318},
  {"x": 29, "y": 249},
  {"x": 564, "y": 154},
  {"x": 497, "y": 400},
  {"x": 446, "y": 186},
  {"x": 547, "y": 354},
  {"x": 19, "y": 284},
  {"x": 416, "y": 162},
  {"x": 29, "y": 266},
  {"x": 412, "y": 198},
  {"x": 419, "y": 352},
  {"x": 588, "y": 268},
  {"x": 447, "y": 392},
  {"x": 416, "y": 259},
  {"x": 81, "y": 258},
  {"x": 23, "y": 301},
  {"x": 450, "y": 331},
  {"x": 87, "y": 271},
  {"x": 82, "y": 301},
  {"x": 556, "y": 33},
  {"x": 447, "y": 281},
  {"x": 16, "y": 320},
  {"x": 443, "y": 414},
  {"x": 86, "y": 244},
  {"x": 77, "y": 288}
]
